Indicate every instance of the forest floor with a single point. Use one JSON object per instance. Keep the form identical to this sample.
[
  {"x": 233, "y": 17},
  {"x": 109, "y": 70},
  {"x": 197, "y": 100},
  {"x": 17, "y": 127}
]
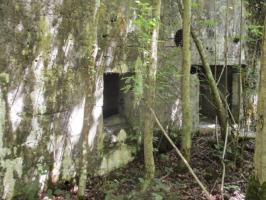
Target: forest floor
[{"x": 174, "y": 182}]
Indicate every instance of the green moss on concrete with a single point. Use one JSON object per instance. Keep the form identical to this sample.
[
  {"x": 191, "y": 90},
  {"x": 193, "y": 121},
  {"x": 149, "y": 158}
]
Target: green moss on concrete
[
  {"x": 13, "y": 171},
  {"x": 44, "y": 38},
  {"x": 122, "y": 68},
  {"x": 116, "y": 158},
  {"x": 4, "y": 79},
  {"x": 121, "y": 137},
  {"x": 68, "y": 166}
]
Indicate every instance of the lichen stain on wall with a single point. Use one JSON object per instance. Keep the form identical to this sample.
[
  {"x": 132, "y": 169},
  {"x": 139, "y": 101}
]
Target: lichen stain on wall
[
  {"x": 75, "y": 122},
  {"x": 58, "y": 153},
  {"x": 11, "y": 167},
  {"x": 97, "y": 110},
  {"x": 16, "y": 105}
]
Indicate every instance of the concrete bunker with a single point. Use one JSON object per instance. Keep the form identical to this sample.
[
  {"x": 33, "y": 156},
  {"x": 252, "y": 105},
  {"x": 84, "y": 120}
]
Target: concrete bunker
[
  {"x": 179, "y": 38},
  {"x": 228, "y": 84},
  {"x": 118, "y": 119},
  {"x": 111, "y": 92},
  {"x": 117, "y": 104}
]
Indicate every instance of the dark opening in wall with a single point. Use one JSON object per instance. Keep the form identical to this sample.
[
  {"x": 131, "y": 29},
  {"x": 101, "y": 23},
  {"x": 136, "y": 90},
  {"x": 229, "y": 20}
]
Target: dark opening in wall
[
  {"x": 179, "y": 38},
  {"x": 111, "y": 94},
  {"x": 207, "y": 107},
  {"x": 194, "y": 69}
]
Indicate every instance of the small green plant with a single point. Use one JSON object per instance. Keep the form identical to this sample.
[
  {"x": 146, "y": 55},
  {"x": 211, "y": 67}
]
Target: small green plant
[
  {"x": 32, "y": 190},
  {"x": 255, "y": 29},
  {"x": 195, "y": 5},
  {"x": 231, "y": 187},
  {"x": 144, "y": 23},
  {"x": 209, "y": 23},
  {"x": 135, "y": 83},
  {"x": 157, "y": 196},
  {"x": 256, "y": 190}
]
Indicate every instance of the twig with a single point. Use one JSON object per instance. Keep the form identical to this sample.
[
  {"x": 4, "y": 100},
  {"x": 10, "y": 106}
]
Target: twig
[
  {"x": 245, "y": 179},
  {"x": 224, "y": 151},
  {"x": 165, "y": 176},
  {"x": 208, "y": 195},
  {"x": 214, "y": 185}
]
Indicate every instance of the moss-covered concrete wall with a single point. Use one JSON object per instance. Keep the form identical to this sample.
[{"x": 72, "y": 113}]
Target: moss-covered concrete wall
[
  {"x": 212, "y": 19},
  {"x": 42, "y": 97}
]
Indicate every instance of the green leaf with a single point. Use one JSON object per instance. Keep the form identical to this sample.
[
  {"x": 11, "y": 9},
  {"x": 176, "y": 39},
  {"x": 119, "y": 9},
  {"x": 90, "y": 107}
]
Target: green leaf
[
  {"x": 58, "y": 192},
  {"x": 157, "y": 196}
]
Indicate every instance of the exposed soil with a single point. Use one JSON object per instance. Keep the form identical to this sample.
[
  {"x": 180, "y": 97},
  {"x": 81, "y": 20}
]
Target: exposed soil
[{"x": 172, "y": 181}]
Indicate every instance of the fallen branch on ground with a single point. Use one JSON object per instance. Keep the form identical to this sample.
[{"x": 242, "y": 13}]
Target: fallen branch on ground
[
  {"x": 206, "y": 193},
  {"x": 223, "y": 163}
]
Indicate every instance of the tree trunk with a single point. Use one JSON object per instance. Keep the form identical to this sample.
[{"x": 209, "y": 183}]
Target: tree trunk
[
  {"x": 186, "y": 56},
  {"x": 220, "y": 107},
  {"x": 256, "y": 189},
  {"x": 150, "y": 94},
  {"x": 260, "y": 152},
  {"x": 251, "y": 75},
  {"x": 90, "y": 39}
]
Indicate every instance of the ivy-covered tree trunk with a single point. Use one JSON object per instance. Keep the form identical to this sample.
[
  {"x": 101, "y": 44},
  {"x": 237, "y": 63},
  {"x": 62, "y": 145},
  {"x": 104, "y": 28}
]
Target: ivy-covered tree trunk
[
  {"x": 186, "y": 56},
  {"x": 254, "y": 21},
  {"x": 257, "y": 186},
  {"x": 260, "y": 152},
  {"x": 150, "y": 93}
]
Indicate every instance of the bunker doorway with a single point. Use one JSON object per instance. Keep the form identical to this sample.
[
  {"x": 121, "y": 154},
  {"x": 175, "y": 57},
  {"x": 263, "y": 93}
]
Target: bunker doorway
[
  {"x": 115, "y": 100},
  {"x": 117, "y": 104},
  {"x": 111, "y": 94},
  {"x": 207, "y": 110}
]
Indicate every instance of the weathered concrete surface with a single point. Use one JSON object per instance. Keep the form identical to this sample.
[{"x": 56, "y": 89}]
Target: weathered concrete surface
[
  {"x": 43, "y": 99},
  {"x": 210, "y": 23}
]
